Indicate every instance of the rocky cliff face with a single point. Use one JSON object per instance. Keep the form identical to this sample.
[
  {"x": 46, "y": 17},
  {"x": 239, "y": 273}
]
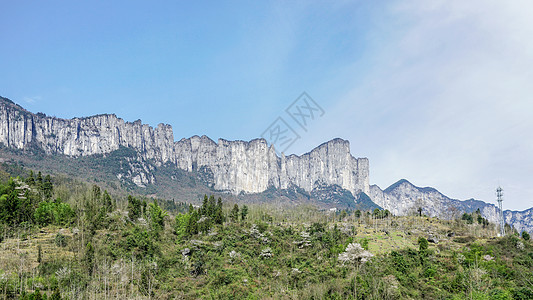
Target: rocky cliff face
[
  {"x": 403, "y": 198},
  {"x": 235, "y": 166}
]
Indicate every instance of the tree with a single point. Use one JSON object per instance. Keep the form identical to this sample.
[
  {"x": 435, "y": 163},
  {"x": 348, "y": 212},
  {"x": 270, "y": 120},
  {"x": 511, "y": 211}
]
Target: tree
[
  {"x": 96, "y": 193},
  {"x": 89, "y": 257},
  {"x": 342, "y": 215},
  {"x": 354, "y": 254},
  {"x": 203, "y": 208},
  {"x": 39, "y": 254},
  {"x": 468, "y": 218},
  {"x": 134, "y": 208},
  {"x": 39, "y": 179},
  {"x": 56, "y": 213},
  {"x": 47, "y": 187},
  {"x": 192, "y": 224},
  {"x": 211, "y": 207},
  {"x": 244, "y": 212},
  {"x": 422, "y": 244},
  {"x": 157, "y": 217},
  {"x": 9, "y": 204},
  {"x": 219, "y": 216},
  {"x": 30, "y": 180},
  {"x": 525, "y": 235},
  {"x": 109, "y": 204},
  {"x": 180, "y": 227},
  {"x": 234, "y": 215},
  {"x": 479, "y": 218}
]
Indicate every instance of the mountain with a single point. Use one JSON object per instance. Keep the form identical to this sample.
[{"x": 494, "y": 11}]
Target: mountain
[
  {"x": 228, "y": 166},
  {"x": 147, "y": 160},
  {"x": 403, "y": 198}
]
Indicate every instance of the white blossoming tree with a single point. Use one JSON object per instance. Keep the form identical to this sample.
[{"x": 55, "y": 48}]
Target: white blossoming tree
[{"x": 354, "y": 255}]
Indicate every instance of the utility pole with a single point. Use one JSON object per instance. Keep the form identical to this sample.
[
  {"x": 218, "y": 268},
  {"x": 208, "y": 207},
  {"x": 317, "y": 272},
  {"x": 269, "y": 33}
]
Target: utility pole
[{"x": 499, "y": 195}]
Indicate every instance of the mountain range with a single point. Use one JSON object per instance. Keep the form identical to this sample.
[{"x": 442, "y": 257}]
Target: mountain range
[{"x": 147, "y": 160}]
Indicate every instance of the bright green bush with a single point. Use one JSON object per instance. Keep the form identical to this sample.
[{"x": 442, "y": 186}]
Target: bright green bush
[{"x": 55, "y": 213}]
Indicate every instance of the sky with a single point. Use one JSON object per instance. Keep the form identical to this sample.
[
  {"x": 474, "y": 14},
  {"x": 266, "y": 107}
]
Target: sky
[{"x": 436, "y": 92}]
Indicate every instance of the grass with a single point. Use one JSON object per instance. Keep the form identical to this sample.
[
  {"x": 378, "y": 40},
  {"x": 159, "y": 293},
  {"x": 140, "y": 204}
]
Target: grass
[{"x": 21, "y": 252}]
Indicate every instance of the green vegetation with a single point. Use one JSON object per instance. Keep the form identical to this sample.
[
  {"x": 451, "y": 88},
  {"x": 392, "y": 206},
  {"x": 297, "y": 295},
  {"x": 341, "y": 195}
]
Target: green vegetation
[{"x": 64, "y": 240}]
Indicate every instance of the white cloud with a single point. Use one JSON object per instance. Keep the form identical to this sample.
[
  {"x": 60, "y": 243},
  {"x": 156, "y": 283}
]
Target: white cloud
[
  {"x": 449, "y": 101},
  {"x": 32, "y": 100}
]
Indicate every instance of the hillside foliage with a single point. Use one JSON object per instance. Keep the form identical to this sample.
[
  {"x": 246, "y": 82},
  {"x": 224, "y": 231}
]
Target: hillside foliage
[{"x": 63, "y": 239}]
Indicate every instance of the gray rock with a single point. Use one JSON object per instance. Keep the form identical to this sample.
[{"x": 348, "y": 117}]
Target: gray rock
[
  {"x": 404, "y": 198},
  {"x": 236, "y": 166},
  {"x": 433, "y": 240}
]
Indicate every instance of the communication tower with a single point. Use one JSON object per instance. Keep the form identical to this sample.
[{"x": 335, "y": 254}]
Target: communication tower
[{"x": 499, "y": 195}]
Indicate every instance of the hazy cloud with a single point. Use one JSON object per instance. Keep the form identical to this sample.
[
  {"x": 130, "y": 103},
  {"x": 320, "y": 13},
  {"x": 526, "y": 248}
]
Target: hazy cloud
[
  {"x": 448, "y": 102},
  {"x": 32, "y": 100}
]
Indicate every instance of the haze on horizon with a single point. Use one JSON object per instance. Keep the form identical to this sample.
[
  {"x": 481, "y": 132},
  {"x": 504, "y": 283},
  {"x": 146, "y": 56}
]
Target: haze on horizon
[{"x": 435, "y": 92}]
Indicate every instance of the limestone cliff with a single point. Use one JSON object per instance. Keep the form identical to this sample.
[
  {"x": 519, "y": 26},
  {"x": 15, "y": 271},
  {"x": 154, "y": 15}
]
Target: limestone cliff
[{"x": 235, "y": 166}]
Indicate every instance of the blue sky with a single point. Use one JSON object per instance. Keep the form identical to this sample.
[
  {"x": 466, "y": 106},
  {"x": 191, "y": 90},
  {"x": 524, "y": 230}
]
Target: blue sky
[{"x": 437, "y": 92}]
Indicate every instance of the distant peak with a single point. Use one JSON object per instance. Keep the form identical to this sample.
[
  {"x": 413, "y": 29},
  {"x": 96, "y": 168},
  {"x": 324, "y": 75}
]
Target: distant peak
[
  {"x": 397, "y": 184},
  {"x": 405, "y": 181}
]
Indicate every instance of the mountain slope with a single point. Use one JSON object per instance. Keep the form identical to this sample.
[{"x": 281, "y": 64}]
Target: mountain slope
[
  {"x": 146, "y": 160},
  {"x": 235, "y": 166},
  {"x": 403, "y": 198}
]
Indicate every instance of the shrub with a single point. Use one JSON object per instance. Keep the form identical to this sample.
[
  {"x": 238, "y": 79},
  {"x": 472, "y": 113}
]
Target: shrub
[
  {"x": 423, "y": 244},
  {"x": 56, "y": 213},
  {"x": 523, "y": 293},
  {"x": 499, "y": 294},
  {"x": 525, "y": 235},
  {"x": 60, "y": 240},
  {"x": 364, "y": 243}
]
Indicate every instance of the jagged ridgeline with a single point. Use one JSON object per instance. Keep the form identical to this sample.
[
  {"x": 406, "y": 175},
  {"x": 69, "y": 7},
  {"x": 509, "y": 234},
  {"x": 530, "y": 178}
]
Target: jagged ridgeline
[{"x": 148, "y": 159}]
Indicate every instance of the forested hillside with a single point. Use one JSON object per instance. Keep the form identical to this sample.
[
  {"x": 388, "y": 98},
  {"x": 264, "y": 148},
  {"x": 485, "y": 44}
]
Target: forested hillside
[{"x": 64, "y": 239}]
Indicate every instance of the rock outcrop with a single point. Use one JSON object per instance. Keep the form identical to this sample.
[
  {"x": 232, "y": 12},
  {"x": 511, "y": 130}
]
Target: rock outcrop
[
  {"x": 235, "y": 166},
  {"x": 404, "y": 198}
]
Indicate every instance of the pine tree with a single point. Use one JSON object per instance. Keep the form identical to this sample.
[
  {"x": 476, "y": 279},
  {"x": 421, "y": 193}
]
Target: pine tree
[
  {"x": 192, "y": 224},
  {"x": 39, "y": 180},
  {"x": 143, "y": 208},
  {"x": 205, "y": 203},
  {"x": 134, "y": 208},
  {"x": 235, "y": 213},
  {"x": 244, "y": 212},
  {"x": 157, "y": 217},
  {"x": 211, "y": 207},
  {"x": 30, "y": 180},
  {"x": 89, "y": 258},
  {"x": 47, "y": 187},
  {"x": 219, "y": 215}
]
